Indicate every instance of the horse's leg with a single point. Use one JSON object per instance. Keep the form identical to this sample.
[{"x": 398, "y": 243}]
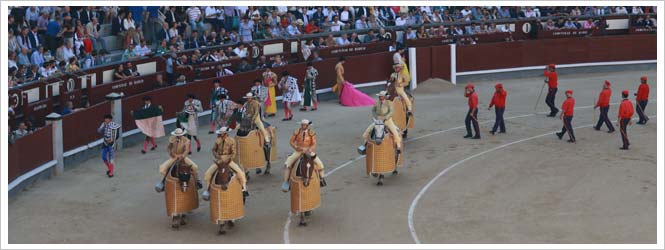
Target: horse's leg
[
  {"x": 308, "y": 213},
  {"x": 221, "y": 230},
  {"x": 404, "y": 134},
  {"x": 302, "y": 220},
  {"x": 247, "y": 175},
  {"x": 230, "y": 223},
  {"x": 175, "y": 223},
  {"x": 182, "y": 220},
  {"x": 380, "y": 183}
]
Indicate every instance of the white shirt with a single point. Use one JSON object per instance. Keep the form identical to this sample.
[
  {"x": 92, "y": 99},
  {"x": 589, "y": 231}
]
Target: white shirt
[
  {"x": 141, "y": 50},
  {"x": 621, "y": 10},
  {"x": 426, "y": 9},
  {"x": 400, "y": 21},
  {"x": 241, "y": 53},
  {"x": 128, "y": 23},
  {"x": 67, "y": 53},
  {"x": 336, "y": 26},
  {"x": 465, "y": 12},
  {"x": 360, "y": 25},
  {"x": 397, "y": 58},
  {"x": 504, "y": 29},
  {"x": 341, "y": 41},
  {"x": 281, "y": 9},
  {"x": 193, "y": 13},
  {"x": 344, "y": 16},
  {"x": 211, "y": 11}
]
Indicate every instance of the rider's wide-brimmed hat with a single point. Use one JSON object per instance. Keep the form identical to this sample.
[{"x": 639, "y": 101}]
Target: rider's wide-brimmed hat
[
  {"x": 179, "y": 132},
  {"x": 305, "y": 121},
  {"x": 382, "y": 93},
  {"x": 249, "y": 95},
  {"x": 223, "y": 130}
]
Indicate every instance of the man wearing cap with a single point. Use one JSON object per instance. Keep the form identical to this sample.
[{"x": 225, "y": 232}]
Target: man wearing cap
[
  {"x": 147, "y": 107},
  {"x": 261, "y": 94},
  {"x": 178, "y": 148},
  {"x": 383, "y": 110},
  {"x": 642, "y": 99},
  {"x": 191, "y": 109},
  {"x": 568, "y": 107},
  {"x": 401, "y": 81},
  {"x": 604, "y": 105},
  {"x": 224, "y": 151},
  {"x": 472, "y": 114},
  {"x": 110, "y": 130},
  {"x": 625, "y": 118},
  {"x": 290, "y": 93},
  {"x": 499, "y": 102},
  {"x": 303, "y": 141},
  {"x": 217, "y": 90},
  {"x": 253, "y": 110},
  {"x": 551, "y": 79}
]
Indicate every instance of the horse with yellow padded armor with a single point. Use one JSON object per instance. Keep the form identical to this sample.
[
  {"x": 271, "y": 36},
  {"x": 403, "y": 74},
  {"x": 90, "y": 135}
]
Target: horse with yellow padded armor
[
  {"x": 226, "y": 183},
  {"x": 255, "y": 137},
  {"x": 302, "y": 168},
  {"x": 383, "y": 144}
]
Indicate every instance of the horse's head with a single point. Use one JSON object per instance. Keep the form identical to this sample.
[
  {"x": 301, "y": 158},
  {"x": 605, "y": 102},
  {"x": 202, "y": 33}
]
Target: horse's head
[
  {"x": 224, "y": 174},
  {"x": 379, "y": 131},
  {"x": 306, "y": 168},
  {"x": 183, "y": 172}
]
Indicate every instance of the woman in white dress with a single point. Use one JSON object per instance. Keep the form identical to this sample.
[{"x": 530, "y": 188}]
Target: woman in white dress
[{"x": 290, "y": 94}]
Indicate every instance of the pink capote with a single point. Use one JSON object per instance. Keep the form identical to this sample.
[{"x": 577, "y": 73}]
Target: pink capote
[{"x": 351, "y": 97}]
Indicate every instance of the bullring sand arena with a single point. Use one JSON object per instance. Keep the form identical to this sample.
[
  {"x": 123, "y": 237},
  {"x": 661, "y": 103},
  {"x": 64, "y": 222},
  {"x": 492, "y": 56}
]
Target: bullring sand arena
[{"x": 525, "y": 186}]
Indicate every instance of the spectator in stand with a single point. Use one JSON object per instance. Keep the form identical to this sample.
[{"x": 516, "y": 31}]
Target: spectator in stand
[
  {"x": 195, "y": 18},
  {"x": 505, "y": 28},
  {"x": 262, "y": 62},
  {"x": 244, "y": 66},
  {"x": 373, "y": 22},
  {"x": 170, "y": 64},
  {"x": 241, "y": 50},
  {"x": 119, "y": 73},
  {"x": 636, "y": 10},
  {"x": 132, "y": 36},
  {"x": 245, "y": 28},
  {"x": 292, "y": 29},
  {"x": 370, "y": 37},
  {"x": 21, "y": 131},
  {"x": 410, "y": 34},
  {"x": 561, "y": 23},
  {"x": 311, "y": 27},
  {"x": 336, "y": 24},
  {"x": 278, "y": 62},
  {"x": 331, "y": 41},
  {"x": 234, "y": 37},
  {"x": 13, "y": 42},
  {"x": 72, "y": 65},
  {"x": 354, "y": 39},
  {"x": 316, "y": 57},
  {"x": 143, "y": 49},
  {"x": 212, "y": 15},
  {"x": 401, "y": 20},
  {"x": 182, "y": 80},
  {"x": 33, "y": 74},
  {"x": 89, "y": 59},
  {"x": 570, "y": 24},
  {"x": 221, "y": 71},
  {"x": 67, "y": 51},
  {"x": 589, "y": 24},
  {"x": 576, "y": 11},
  {"x": 421, "y": 34},
  {"x": 129, "y": 53},
  {"x": 130, "y": 70},
  {"x": 621, "y": 10},
  {"x": 92, "y": 29},
  {"x": 361, "y": 23},
  {"x": 472, "y": 30},
  {"x": 23, "y": 57},
  {"x": 343, "y": 40},
  {"x": 529, "y": 13},
  {"x": 384, "y": 36},
  {"x": 550, "y": 25}
]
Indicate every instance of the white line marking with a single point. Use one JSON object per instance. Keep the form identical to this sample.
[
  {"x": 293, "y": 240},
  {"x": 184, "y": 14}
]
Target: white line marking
[
  {"x": 422, "y": 191},
  {"x": 286, "y": 229},
  {"x": 288, "y": 220}
]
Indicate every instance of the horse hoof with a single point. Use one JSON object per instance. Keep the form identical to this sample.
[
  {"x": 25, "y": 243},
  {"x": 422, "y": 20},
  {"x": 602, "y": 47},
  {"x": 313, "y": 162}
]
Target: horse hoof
[
  {"x": 182, "y": 222},
  {"x": 375, "y": 175},
  {"x": 230, "y": 224},
  {"x": 308, "y": 213},
  {"x": 258, "y": 171},
  {"x": 302, "y": 224},
  {"x": 221, "y": 232},
  {"x": 380, "y": 183},
  {"x": 395, "y": 172},
  {"x": 267, "y": 172}
]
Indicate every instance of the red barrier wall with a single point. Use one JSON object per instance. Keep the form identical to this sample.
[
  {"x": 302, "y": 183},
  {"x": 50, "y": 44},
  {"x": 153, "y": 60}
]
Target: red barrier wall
[
  {"x": 29, "y": 152},
  {"x": 80, "y": 128},
  {"x": 557, "y": 51},
  {"x": 441, "y": 62}
]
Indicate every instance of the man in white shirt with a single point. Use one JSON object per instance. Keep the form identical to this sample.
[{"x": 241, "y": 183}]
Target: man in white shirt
[
  {"x": 401, "y": 20},
  {"x": 97, "y": 42},
  {"x": 142, "y": 49},
  {"x": 505, "y": 28},
  {"x": 361, "y": 24},
  {"x": 621, "y": 10},
  {"x": 241, "y": 51},
  {"x": 212, "y": 13},
  {"x": 336, "y": 24},
  {"x": 292, "y": 29},
  {"x": 195, "y": 19},
  {"x": 68, "y": 51},
  {"x": 466, "y": 11}
]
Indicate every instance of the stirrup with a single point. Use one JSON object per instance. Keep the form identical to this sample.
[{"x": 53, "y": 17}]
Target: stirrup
[{"x": 285, "y": 186}]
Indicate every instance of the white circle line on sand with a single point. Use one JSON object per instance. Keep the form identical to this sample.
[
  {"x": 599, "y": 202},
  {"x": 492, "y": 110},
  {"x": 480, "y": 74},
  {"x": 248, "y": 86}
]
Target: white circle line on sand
[
  {"x": 424, "y": 189},
  {"x": 288, "y": 219}
]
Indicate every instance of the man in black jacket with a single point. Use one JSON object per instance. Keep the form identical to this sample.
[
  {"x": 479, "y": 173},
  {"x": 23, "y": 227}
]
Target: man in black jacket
[
  {"x": 194, "y": 42},
  {"x": 163, "y": 34}
]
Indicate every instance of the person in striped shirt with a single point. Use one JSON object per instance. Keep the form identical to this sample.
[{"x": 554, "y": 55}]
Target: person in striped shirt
[{"x": 110, "y": 132}]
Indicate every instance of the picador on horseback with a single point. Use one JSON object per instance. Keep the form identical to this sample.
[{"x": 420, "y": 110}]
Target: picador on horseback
[
  {"x": 255, "y": 137},
  {"x": 302, "y": 168}
]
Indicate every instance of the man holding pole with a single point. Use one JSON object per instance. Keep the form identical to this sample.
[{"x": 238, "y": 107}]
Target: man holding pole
[
  {"x": 625, "y": 117},
  {"x": 642, "y": 99},
  {"x": 551, "y": 79},
  {"x": 604, "y": 105}
]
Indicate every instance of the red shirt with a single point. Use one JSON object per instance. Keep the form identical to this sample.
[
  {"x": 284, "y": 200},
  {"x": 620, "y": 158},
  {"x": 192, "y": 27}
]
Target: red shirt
[
  {"x": 568, "y": 106},
  {"x": 311, "y": 28},
  {"x": 604, "y": 98},
  {"x": 551, "y": 79},
  {"x": 643, "y": 92},
  {"x": 499, "y": 99},
  {"x": 473, "y": 100},
  {"x": 626, "y": 109}
]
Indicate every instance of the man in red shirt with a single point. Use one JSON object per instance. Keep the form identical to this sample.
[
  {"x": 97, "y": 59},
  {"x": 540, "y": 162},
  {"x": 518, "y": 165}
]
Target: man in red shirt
[
  {"x": 551, "y": 79},
  {"x": 499, "y": 101},
  {"x": 311, "y": 27},
  {"x": 604, "y": 105},
  {"x": 472, "y": 115},
  {"x": 567, "y": 116},
  {"x": 625, "y": 117},
  {"x": 642, "y": 98}
]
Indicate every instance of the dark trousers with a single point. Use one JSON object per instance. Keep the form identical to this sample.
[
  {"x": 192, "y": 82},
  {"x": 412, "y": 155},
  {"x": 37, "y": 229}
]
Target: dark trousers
[
  {"x": 604, "y": 119},
  {"x": 498, "y": 122},
  {"x": 567, "y": 127},
  {"x": 549, "y": 100},
  {"x": 473, "y": 119},
  {"x": 624, "y": 132},
  {"x": 641, "y": 105}
]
